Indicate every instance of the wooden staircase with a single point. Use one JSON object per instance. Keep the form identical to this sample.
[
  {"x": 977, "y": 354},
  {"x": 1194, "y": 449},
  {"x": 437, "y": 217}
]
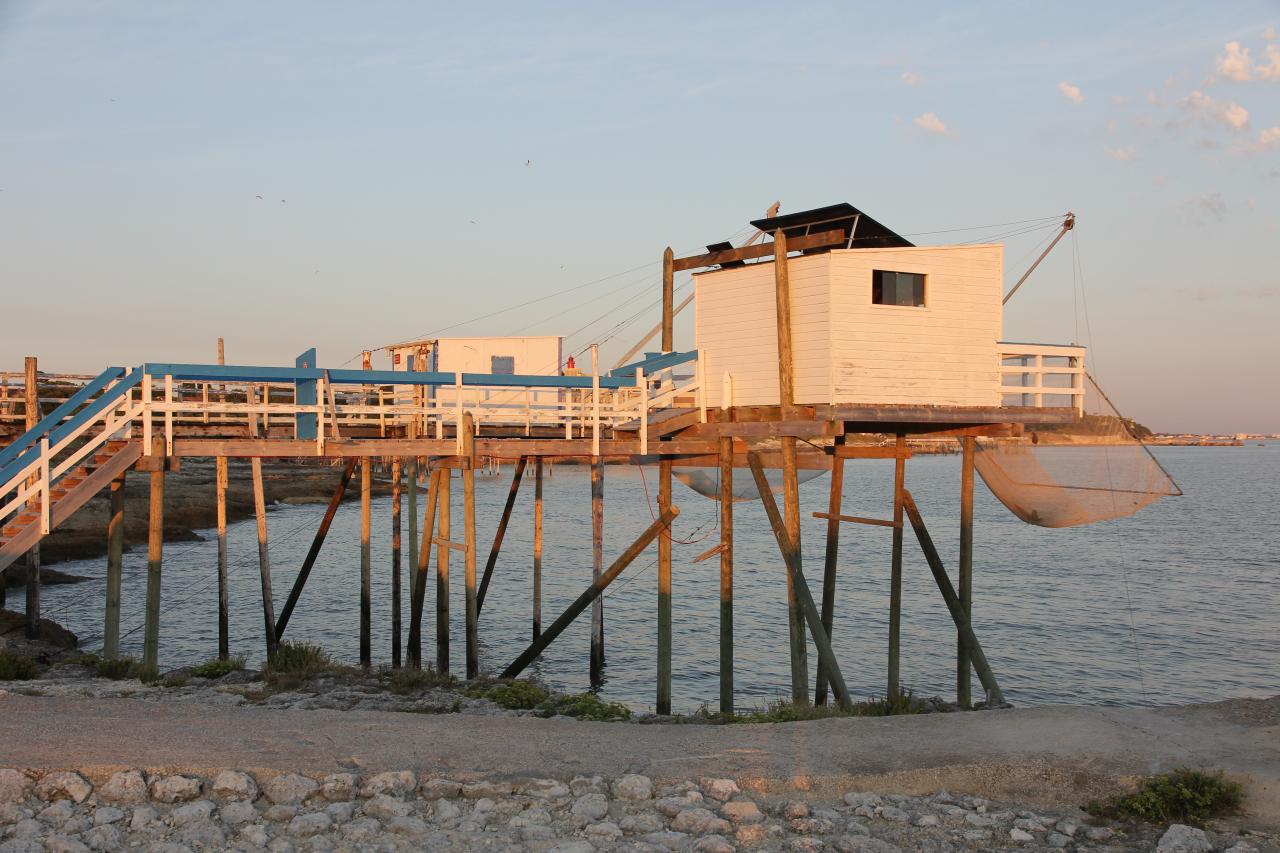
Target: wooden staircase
[{"x": 72, "y": 491}]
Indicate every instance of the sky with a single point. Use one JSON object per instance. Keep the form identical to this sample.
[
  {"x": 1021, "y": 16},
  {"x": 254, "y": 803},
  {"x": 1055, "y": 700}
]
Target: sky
[{"x": 344, "y": 176}]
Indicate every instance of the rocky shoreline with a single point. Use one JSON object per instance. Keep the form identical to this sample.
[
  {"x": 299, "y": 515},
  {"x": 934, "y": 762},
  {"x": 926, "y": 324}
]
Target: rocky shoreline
[{"x": 75, "y": 810}]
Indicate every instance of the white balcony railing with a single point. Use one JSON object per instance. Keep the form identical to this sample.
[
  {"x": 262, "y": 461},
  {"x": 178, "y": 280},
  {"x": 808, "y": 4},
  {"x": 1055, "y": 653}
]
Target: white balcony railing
[{"x": 1042, "y": 375}]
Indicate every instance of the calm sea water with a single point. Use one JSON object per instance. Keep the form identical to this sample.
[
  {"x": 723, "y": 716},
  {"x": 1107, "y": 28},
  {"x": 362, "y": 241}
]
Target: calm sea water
[{"x": 1179, "y": 603}]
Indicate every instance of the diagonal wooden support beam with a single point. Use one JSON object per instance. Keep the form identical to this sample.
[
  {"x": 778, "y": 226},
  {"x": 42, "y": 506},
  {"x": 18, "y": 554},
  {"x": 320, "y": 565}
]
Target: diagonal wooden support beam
[
  {"x": 424, "y": 562},
  {"x": 501, "y": 533},
  {"x": 792, "y": 558},
  {"x": 314, "y": 552},
  {"x": 958, "y": 614},
  {"x": 590, "y": 594}
]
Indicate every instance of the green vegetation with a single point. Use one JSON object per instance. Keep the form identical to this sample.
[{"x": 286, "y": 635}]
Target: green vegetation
[
  {"x": 300, "y": 659},
  {"x": 118, "y": 668},
  {"x": 406, "y": 682},
  {"x": 785, "y": 711},
  {"x": 218, "y": 667},
  {"x": 1180, "y": 796},
  {"x": 175, "y": 681},
  {"x": 524, "y": 695},
  {"x": 16, "y": 668}
]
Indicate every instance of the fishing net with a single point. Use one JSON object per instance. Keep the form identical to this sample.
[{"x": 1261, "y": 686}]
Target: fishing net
[
  {"x": 1091, "y": 469},
  {"x": 706, "y": 481}
]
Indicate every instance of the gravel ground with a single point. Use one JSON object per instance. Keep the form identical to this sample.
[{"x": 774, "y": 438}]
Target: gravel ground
[{"x": 397, "y": 810}]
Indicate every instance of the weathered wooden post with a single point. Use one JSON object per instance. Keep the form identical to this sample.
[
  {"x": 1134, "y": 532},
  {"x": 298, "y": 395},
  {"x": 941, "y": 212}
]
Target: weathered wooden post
[
  {"x": 537, "y": 547},
  {"x": 469, "y": 544},
  {"x": 155, "y": 556},
  {"x": 790, "y": 480},
  {"x": 501, "y": 532},
  {"x": 726, "y": 575},
  {"x": 314, "y": 551},
  {"x": 115, "y": 566},
  {"x": 895, "y": 571},
  {"x": 220, "y": 477},
  {"x": 597, "y": 566},
  {"x": 831, "y": 563},
  {"x": 220, "y": 498},
  {"x": 663, "y": 703},
  {"x": 366, "y": 564},
  {"x": 32, "y": 408},
  {"x": 963, "y": 658},
  {"x": 260, "y": 512},
  {"x": 424, "y": 559},
  {"x": 397, "y": 478},
  {"x": 441, "y": 537}
]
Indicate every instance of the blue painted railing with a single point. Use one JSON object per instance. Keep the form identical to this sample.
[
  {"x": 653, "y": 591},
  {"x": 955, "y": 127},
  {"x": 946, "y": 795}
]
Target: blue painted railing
[
  {"x": 236, "y": 373},
  {"x": 51, "y": 420},
  {"x": 653, "y": 363}
]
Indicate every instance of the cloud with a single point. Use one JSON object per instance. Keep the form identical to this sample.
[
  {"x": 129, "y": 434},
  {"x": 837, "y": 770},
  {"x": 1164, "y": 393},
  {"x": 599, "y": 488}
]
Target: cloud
[
  {"x": 1227, "y": 113},
  {"x": 1124, "y": 155},
  {"x": 1071, "y": 93},
  {"x": 1154, "y": 99},
  {"x": 1235, "y": 63},
  {"x": 1268, "y": 140},
  {"x": 931, "y": 123},
  {"x": 1270, "y": 71},
  {"x": 911, "y": 79},
  {"x": 1269, "y": 33}
]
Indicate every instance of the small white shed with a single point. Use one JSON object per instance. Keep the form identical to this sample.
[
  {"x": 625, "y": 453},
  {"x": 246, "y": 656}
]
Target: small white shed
[
  {"x": 538, "y": 355},
  {"x": 906, "y": 325}
]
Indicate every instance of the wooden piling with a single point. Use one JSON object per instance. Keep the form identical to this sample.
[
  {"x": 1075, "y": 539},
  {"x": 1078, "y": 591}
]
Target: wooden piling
[
  {"x": 264, "y": 555},
  {"x": 964, "y": 666},
  {"x": 442, "y": 568},
  {"x": 419, "y": 586},
  {"x": 726, "y": 575},
  {"x": 592, "y": 592},
  {"x": 790, "y": 481},
  {"x": 597, "y": 566},
  {"x": 831, "y": 563},
  {"x": 663, "y": 703},
  {"x": 895, "y": 571},
  {"x": 155, "y": 555},
  {"x": 411, "y": 507},
  {"x": 32, "y": 409},
  {"x": 537, "y": 547},
  {"x": 314, "y": 551},
  {"x": 469, "y": 544},
  {"x": 501, "y": 532},
  {"x": 115, "y": 568},
  {"x": 791, "y": 557},
  {"x": 668, "y": 300},
  {"x": 397, "y": 478},
  {"x": 958, "y": 614},
  {"x": 221, "y": 478},
  {"x": 366, "y": 563}
]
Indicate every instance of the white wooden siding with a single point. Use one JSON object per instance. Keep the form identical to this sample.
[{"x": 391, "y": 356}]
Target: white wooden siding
[{"x": 848, "y": 350}]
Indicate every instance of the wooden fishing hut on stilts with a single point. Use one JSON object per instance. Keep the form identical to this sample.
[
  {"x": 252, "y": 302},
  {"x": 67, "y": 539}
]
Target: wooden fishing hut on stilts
[{"x": 818, "y": 338}]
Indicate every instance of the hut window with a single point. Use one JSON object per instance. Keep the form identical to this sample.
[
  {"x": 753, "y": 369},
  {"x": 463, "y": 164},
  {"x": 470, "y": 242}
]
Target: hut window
[
  {"x": 897, "y": 288},
  {"x": 503, "y": 364}
]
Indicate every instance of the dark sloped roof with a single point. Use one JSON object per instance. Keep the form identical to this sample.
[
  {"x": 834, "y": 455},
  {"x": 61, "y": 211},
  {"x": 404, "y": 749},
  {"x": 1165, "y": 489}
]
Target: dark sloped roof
[{"x": 867, "y": 232}]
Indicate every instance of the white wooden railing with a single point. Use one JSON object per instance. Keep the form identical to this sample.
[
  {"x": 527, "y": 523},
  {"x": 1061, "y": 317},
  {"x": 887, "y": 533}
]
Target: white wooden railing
[{"x": 1030, "y": 373}]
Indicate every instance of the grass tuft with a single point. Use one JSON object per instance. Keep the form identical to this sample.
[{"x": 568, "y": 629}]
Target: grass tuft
[
  {"x": 218, "y": 667},
  {"x": 301, "y": 659},
  {"x": 15, "y": 667},
  {"x": 589, "y": 706},
  {"x": 785, "y": 711},
  {"x": 406, "y": 682},
  {"x": 1180, "y": 796},
  {"x": 519, "y": 695}
]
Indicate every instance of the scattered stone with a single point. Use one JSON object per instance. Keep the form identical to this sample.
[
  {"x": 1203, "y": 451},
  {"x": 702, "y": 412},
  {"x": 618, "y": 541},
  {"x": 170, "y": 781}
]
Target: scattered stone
[
  {"x": 1058, "y": 841},
  {"x": 175, "y": 789},
  {"x": 862, "y": 798},
  {"x": 864, "y": 844},
  {"x": 699, "y": 821},
  {"x": 63, "y": 844},
  {"x": 240, "y": 811},
  {"x": 307, "y": 825},
  {"x": 234, "y": 785},
  {"x": 399, "y": 783},
  {"x": 476, "y": 790},
  {"x": 125, "y": 786},
  {"x": 540, "y": 789},
  {"x": 408, "y": 826},
  {"x": 58, "y": 813},
  {"x": 1020, "y": 835},
  {"x": 338, "y": 787},
  {"x": 633, "y": 787},
  {"x": 107, "y": 814},
  {"x": 15, "y": 786},
  {"x": 191, "y": 812},
  {"x": 289, "y": 788},
  {"x": 385, "y": 807},
  {"x": 591, "y": 806},
  {"x": 719, "y": 789},
  {"x": 204, "y": 834},
  {"x": 64, "y": 785},
  {"x": 795, "y": 810},
  {"x": 281, "y": 813},
  {"x": 742, "y": 811},
  {"x": 574, "y": 847},
  {"x": 714, "y": 844},
  {"x": 928, "y": 820},
  {"x": 603, "y": 831},
  {"x": 1180, "y": 838},
  {"x": 445, "y": 810},
  {"x": 143, "y": 817},
  {"x": 894, "y": 814},
  {"x": 580, "y": 785}
]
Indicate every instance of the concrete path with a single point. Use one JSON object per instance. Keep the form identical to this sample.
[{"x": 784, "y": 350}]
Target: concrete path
[{"x": 1049, "y": 756}]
